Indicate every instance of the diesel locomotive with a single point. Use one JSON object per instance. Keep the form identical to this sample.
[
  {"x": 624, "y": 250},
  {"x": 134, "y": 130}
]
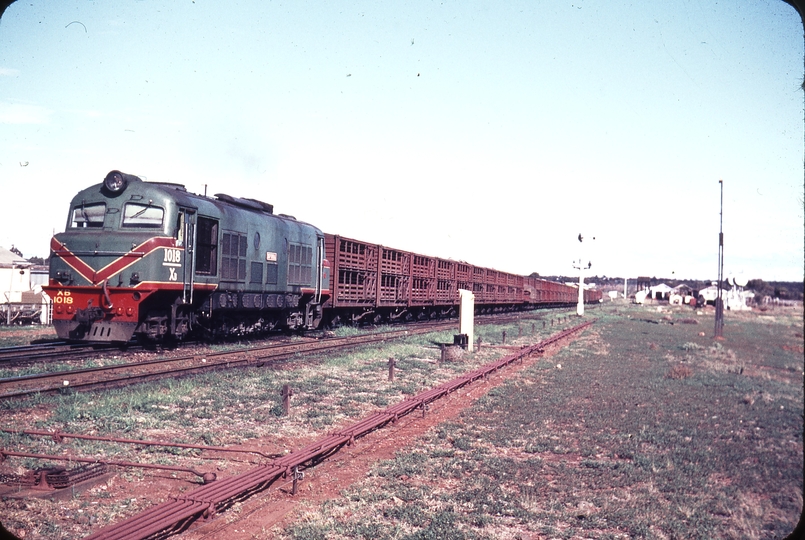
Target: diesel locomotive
[{"x": 153, "y": 261}]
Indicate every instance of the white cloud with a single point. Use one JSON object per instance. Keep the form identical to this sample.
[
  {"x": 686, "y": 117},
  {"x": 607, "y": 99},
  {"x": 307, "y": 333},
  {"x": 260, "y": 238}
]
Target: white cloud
[
  {"x": 9, "y": 72},
  {"x": 19, "y": 113}
]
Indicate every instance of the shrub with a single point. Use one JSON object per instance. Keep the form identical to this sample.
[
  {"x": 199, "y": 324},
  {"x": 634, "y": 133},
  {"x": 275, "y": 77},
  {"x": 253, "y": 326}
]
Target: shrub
[{"x": 679, "y": 372}]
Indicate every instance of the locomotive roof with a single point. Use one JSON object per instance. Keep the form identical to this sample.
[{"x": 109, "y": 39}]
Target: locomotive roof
[{"x": 166, "y": 191}]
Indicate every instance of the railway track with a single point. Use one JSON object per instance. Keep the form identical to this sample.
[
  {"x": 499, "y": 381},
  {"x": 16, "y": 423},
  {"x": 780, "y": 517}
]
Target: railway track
[
  {"x": 134, "y": 372},
  {"x": 114, "y": 376},
  {"x": 181, "y": 511},
  {"x": 59, "y": 350}
]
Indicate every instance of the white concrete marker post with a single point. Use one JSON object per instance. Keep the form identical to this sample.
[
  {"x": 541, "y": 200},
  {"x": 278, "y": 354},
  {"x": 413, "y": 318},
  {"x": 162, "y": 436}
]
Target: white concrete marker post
[
  {"x": 466, "y": 316},
  {"x": 580, "y": 306}
]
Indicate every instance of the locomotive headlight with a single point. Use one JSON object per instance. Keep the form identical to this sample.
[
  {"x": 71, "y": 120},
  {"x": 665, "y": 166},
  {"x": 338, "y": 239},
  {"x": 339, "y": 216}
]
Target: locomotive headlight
[{"x": 115, "y": 182}]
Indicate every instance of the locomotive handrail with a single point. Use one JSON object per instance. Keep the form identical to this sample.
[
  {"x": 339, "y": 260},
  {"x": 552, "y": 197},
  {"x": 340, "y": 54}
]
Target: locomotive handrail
[
  {"x": 105, "y": 253},
  {"x": 106, "y": 296},
  {"x": 320, "y": 273}
]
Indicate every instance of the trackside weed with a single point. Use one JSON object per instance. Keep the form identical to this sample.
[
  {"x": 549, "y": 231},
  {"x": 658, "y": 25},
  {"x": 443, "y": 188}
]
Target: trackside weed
[{"x": 625, "y": 441}]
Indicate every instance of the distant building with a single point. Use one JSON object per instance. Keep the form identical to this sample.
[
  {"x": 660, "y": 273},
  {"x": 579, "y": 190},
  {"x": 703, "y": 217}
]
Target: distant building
[
  {"x": 20, "y": 301},
  {"x": 15, "y": 276},
  {"x": 40, "y": 275},
  {"x": 708, "y": 295},
  {"x": 660, "y": 292},
  {"x": 683, "y": 290},
  {"x": 643, "y": 283},
  {"x": 682, "y": 294}
]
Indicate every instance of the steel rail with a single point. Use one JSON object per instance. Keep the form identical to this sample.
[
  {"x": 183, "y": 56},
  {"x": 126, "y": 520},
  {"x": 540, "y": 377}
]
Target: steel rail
[
  {"x": 178, "y": 513},
  {"x": 59, "y": 350},
  {"x": 207, "y": 477},
  {"x": 63, "y": 350},
  {"x": 58, "y": 436},
  {"x": 13, "y": 387},
  {"x": 21, "y": 349}
]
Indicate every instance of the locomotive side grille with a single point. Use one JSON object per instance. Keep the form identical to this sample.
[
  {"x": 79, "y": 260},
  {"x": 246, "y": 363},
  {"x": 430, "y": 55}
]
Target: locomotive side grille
[
  {"x": 233, "y": 257},
  {"x": 256, "y": 274},
  {"x": 300, "y": 264}
]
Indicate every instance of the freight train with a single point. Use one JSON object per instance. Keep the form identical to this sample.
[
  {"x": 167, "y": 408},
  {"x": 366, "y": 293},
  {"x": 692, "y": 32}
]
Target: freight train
[{"x": 154, "y": 261}]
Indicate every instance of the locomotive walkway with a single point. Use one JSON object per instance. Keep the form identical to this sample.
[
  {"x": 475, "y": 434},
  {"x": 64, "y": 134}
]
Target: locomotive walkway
[{"x": 180, "y": 512}]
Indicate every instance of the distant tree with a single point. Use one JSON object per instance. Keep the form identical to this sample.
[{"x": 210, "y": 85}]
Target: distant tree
[
  {"x": 760, "y": 287},
  {"x": 754, "y": 284},
  {"x": 38, "y": 260},
  {"x": 786, "y": 290}
]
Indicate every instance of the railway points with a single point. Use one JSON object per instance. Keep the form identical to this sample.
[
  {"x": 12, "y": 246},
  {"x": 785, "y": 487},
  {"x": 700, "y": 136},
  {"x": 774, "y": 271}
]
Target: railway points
[{"x": 179, "y": 512}]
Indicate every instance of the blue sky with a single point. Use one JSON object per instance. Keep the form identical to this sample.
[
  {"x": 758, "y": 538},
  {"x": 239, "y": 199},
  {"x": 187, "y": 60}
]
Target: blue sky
[{"x": 487, "y": 132}]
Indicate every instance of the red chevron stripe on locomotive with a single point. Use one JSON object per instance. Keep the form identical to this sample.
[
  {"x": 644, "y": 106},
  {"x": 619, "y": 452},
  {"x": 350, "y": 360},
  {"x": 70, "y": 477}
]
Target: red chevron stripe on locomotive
[{"x": 118, "y": 265}]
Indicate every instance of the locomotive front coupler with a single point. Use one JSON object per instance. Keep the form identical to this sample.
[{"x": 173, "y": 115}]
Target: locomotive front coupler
[{"x": 89, "y": 315}]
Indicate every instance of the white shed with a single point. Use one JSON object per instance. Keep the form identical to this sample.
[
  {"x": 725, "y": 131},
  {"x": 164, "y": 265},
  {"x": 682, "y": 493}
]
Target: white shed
[
  {"x": 15, "y": 276},
  {"x": 660, "y": 292}
]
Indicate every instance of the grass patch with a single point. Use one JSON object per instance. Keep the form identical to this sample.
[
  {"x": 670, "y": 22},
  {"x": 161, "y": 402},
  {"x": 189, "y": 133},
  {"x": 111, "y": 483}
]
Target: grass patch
[
  {"x": 627, "y": 440},
  {"x": 220, "y": 408}
]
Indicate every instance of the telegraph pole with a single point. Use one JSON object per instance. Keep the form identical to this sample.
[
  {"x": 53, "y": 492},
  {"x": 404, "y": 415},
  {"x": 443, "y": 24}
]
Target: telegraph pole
[{"x": 719, "y": 329}]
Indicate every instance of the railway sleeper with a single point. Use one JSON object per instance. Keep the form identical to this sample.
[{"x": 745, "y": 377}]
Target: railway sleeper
[{"x": 55, "y": 478}]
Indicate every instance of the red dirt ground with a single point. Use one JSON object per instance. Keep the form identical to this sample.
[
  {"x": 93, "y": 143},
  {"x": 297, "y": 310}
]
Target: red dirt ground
[
  {"x": 265, "y": 514},
  {"x": 276, "y": 508}
]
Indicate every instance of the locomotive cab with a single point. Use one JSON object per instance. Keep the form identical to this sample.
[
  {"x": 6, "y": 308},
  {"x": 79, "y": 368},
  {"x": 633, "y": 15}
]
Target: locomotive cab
[{"x": 100, "y": 276}]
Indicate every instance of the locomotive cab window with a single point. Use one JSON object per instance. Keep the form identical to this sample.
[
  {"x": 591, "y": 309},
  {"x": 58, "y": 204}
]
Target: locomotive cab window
[
  {"x": 207, "y": 246},
  {"x": 142, "y": 216},
  {"x": 88, "y": 215},
  {"x": 180, "y": 230}
]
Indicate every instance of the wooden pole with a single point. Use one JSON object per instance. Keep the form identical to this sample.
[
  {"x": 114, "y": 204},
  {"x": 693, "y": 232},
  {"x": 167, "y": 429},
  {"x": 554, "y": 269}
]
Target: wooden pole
[{"x": 287, "y": 392}]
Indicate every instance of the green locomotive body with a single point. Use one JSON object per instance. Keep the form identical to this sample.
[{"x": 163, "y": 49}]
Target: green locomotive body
[{"x": 153, "y": 260}]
